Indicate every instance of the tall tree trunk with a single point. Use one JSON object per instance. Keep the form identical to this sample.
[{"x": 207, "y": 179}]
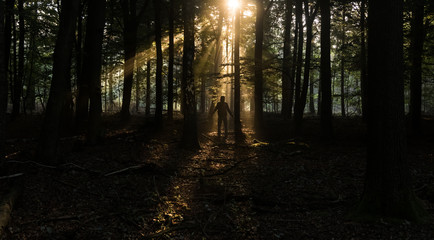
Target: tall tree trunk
[
  {"x": 388, "y": 190},
  {"x": 363, "y": 66},
  {"x": 30, "y": 98},
  {"x": 343, "y": 43},
  {"x": 171, "y": 61},
  {"x": 189, "y": 136},
  {"x": 259, "y": 119},
  {"x": 3, "y": 85},
  {"x": 417, "y": 40},
  {"x": 138, "y": 77},
  {"x": 299, "y": 20},
  {"x": 300, "y": 103},
  {"x": 61, "y": 63},
  {"x": 294, "y": 67},
  {"x": 237, "y": 84},
  {"x": 92, "y": 66},
  {"x": 18, "y": 83},
  {"x": 287, "y": 84},
  {"x": 311, "y": 98},
  {"x": 159, "y": 71},
  {"x": 325, "y": 73},
  {"x": 82, "y": 101},
  {"x": 148, "y": 87},
  {"x": 111, "y": 93}
]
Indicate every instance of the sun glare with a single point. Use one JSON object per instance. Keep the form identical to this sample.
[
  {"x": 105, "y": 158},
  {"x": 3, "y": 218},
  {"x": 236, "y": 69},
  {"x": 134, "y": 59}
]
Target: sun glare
[{"x": 233, "y": 4}]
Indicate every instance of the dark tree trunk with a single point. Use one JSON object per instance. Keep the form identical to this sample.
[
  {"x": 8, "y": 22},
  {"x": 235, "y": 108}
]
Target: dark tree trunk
[
  {"x": 9, "y": 8},
  {"x": 325, "y": 73},
  {"x": 61, "y": 63},
  {"x": 18, "y": 83},
  {"x": 299, "y": 63},
  {"x": 417, "y": 40},
  {"x": 311, "y": 98},
  {"x": 388, "y": 190},
  {"x": 3, "y": 85},
  {"x": 300, "y": 103},
  {"x": 189, "y": 136},
  {"x": 159, "y": 70},
  {"x": 237, "y": 85},
  {"x": 293, "y": 67},
  {"x": 363, "y": 67},
  {"x": 259, "y": 120},
  {"x": 343, "y": 63},
  {"x": 171, "y": 61},
  {"x": 92, "y": 66},
  {"x": 287, "y": 84},
  {"x": 82, "y": 101},
  {"x": 138, "y": 77},
  {"x": 148, "y": 88},
  {"x": 30, "y": 97}
]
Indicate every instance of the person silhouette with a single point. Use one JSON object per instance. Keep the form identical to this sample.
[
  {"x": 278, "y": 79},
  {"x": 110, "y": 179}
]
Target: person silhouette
[{"x": 222, "y": 109}]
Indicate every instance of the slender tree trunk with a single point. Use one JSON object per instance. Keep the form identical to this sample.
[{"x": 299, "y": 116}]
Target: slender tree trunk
[
  {"x": 62, "y": 61},
  {"x": 148, "y": 88},
  {"x": 388, "y": 190},
  {"x": 325, "y": 73},
  {"x": 18, "y": 83},
  {"x": 138, "y": 77},
  {"x": 343, "y": 64},
  {"x": 159, "y": 71},
  {"x": 417, "y": 40},
  {"x": 3, "y": 85},
  {"x": 287, "y": 84},
  {"x": 294, "y": 67},
  {"x": 92, "y": 66},
  {"x": 189, "y": 137},
  {"x": 311, "y": 98},
  {"x": 299, "y": 15},
  {"x": 259, "y": 120},
  {"x": 82, "y": 101},
  {"x": 171, "y": 61},
  {"x": 237, "y": 85},
  {"x": 363, "y": 67}
]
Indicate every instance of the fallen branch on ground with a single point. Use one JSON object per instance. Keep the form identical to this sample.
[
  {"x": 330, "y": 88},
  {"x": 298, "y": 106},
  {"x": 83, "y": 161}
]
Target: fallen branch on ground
[{"x": 12, "y": 176}]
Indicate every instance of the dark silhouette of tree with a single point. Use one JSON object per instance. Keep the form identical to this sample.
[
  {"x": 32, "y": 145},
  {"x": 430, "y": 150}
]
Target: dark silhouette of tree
[
  {"x": 259, "y": 32},
  {"x": 237, "y": 84},
  {"x": 189, "y": 136},
  {"x": 343, "y": 43},
  {"x": 287, "y": 83},
  {"x": 171, "y": 61},
  {"x": 159, "y": 70},
  {"x": 416, "y": 51},
  {"x": 325, "y": 73},
  {"x": 299, "y": 62},
  {"x": 363, "y": 66},
  {"x": 300, "y": 102},
  {"x": 388, "y": 187},
  {"x": 61, "y": 64},
  {"x": 148, "y": 87},
  {"x": 3, "y": 83},
  {"x": 82, "y": 101},
  {"x": 92, "y": 66}
]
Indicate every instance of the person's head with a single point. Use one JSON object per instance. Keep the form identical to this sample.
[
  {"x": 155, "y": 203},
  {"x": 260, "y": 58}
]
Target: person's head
[{"x": 222, "y": 98}]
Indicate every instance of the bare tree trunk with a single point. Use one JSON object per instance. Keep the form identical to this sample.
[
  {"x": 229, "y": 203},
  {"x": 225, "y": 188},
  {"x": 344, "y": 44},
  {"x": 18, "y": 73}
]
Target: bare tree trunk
[
  {"x": 159, "y": 71},
  {"x": 363, "y": 67},
  {"x": 171, "y": 61},
  {"x": 299, "y": 15},
  {"x": 82, "y": 101},
  {"x": 18, "y": 83},
  {"x": 148, "y": 88},
  {"x": 259, "y": 27},
  {"x": 237, "y": 85},
  {"x": 287, "y": 84},
  {"x": 343, "y": 63},
  {"x": 3, "y": 85},
  {"x": 62, "y": 61}
]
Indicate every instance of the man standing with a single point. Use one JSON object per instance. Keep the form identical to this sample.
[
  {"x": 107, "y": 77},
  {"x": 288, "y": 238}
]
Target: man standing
[{"x": 222, "y": 109}]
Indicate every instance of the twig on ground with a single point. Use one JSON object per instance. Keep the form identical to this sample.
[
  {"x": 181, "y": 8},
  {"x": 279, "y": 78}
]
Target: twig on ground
[
  {"x": 32, "y": 162},
  {"x": 12, "y": 176}
]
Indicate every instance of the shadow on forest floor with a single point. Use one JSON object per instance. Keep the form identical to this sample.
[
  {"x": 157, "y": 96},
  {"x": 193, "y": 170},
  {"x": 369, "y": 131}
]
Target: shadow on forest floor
[{"x": 139, "y": 184}]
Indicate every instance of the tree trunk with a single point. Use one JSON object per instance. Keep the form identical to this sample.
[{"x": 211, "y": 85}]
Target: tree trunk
[
  {"x": 82, "y": 101},
  {"x": 363, "y": 67},
  {"x": 148, "y": 88},
  {"x": 189, "y": 136},
  {"x": 311, "y": 98},
  {"x": 18, "y": 83},
  {"x": 237, "y": 85},
  {"x": 287, "y": 84},
  {"x": 92, "y": 66},
  {"x": 388, "y": 190},
  {"x": 3, "y": 85},
  {"x": 61, "y": 63},
  {"x": 343, "y": 64},
  {"x": 325, "y": 73},
  {"x": 416, "y": 48},
  {"x": 259, "y": 120},
  {"x": 138, "y": 77},
  {"x": 171, "y": 61},
  {"x": 299, "y": 20},
  {"x": 159, "y": 71}
]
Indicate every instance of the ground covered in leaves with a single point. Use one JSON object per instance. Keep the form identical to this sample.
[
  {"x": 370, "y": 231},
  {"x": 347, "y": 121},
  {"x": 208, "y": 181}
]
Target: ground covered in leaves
[{"x": 139, "y": 184}]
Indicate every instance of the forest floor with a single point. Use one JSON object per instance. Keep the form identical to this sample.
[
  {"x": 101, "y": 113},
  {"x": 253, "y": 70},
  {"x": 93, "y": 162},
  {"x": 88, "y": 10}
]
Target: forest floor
[{"x": 139, "y": 184}]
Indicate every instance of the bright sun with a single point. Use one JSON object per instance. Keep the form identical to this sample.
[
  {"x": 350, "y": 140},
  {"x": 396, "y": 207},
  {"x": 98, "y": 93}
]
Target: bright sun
[{"x": 233, "y": 4}]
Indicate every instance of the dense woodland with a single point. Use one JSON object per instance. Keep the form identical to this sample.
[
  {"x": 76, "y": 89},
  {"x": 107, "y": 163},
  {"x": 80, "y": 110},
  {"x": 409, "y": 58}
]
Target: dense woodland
[{"x": 108, "y": 127}]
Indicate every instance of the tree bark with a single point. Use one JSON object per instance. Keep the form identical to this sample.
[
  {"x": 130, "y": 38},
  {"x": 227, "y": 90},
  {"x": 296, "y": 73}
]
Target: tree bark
[
  {"x": 61, "y": 63},
  {"x": 259, "y": 27},
  {"x": 92, "y": 66},
  {"x": 18, "y": 83},
  {"x": 189, "y": 136},
  {"x": 299, "y": 63},
  {"x": 148, "y": 88},
  {"x": 237, "y": 85},
  {"x": 171, "y": 61},
  {"x": 287, "y": 84},
  {"x": 343, "y": 63},
  {"x": 325, "y": 73},
  {"x": 82, "y": 101},
  {"x": 388, "y": 190},
  {"x": 159, "y": 71},
  {"x": 417, "y": 40},
  {"x": 3, "y": 85},
  {"x": 363, "y": 66}
]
